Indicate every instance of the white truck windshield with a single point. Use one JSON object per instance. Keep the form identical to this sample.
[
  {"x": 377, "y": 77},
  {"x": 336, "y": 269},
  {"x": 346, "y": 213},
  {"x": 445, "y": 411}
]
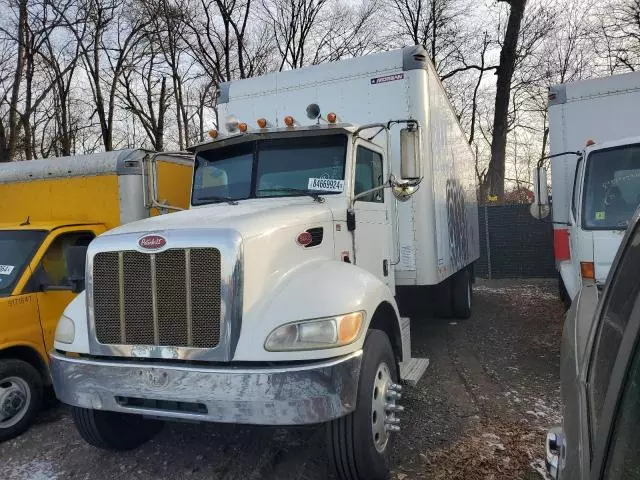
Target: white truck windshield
[
  {"x": 270, "y": 168},
  {"x": 16, "y": 249},
  {"x": 612, "y": 188}
]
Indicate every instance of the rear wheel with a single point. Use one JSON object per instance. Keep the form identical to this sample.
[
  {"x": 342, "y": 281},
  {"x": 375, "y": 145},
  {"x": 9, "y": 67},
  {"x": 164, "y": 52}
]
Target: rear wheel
[
  {"x": 359, "y": 443},
  {"x": 114, "y": 430},
  {"x": 461, "y": 294},
  {"x": 20, "y": 397}
]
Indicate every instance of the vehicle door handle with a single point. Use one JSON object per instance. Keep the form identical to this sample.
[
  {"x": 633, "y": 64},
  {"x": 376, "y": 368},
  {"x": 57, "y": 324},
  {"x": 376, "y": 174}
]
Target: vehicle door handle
[{"x": 385, "y": 267}]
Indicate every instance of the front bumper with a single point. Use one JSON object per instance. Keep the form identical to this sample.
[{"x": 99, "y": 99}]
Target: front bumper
[{"x": 287, "y": 395}]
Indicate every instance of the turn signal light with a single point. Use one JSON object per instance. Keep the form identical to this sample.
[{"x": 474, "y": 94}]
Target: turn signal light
[
  {"x": 213, "y": 133},
  {"x": 289, "y": 121},
  {"x": 587, "y": 270},
  {"x": 262, "y": 122},
  {"x": 243, "y": 127},
  {"x": 332, "y": 117},
  {"x": 349, "y": 326}
]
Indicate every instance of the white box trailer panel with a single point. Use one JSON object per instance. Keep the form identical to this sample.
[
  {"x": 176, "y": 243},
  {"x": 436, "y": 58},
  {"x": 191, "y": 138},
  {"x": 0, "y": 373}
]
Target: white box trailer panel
[
  {"x": 602, "y": 110},
  {"x": 438, "y": 227}
]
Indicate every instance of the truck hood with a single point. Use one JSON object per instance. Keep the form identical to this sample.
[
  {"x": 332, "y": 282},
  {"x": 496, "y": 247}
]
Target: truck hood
[
  {"x": 605, "y": 247},
  {"x": 249, "y": 217}
]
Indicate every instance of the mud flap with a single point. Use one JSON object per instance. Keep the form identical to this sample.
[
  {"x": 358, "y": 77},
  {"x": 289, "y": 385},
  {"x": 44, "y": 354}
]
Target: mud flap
[{"x": 411, "y": 369}]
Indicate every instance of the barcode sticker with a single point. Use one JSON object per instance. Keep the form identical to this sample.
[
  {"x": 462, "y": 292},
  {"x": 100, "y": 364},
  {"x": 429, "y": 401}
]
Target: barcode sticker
[{"x": 6, "y": 269}]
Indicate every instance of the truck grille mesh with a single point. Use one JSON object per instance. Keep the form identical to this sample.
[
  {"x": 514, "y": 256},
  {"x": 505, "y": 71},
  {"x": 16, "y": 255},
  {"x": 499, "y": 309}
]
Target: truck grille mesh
[{"x": 170, "y": 298}]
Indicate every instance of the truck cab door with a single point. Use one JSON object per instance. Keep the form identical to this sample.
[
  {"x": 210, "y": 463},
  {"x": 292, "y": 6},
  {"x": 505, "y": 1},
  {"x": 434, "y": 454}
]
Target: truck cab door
[
  {"x": 373, "y": 234},
  {"x": 52, "y": 279}
]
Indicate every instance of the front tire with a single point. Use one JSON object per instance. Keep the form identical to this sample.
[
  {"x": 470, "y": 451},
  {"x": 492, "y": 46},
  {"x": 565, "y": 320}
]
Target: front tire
[
  {"x": 114, "y": 430},
  {"x": 20, "y": 397},
  {"x": 359, "y": 444}
]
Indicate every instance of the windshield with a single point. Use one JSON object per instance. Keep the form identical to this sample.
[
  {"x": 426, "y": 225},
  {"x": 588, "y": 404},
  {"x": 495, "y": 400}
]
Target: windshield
[
  {"x": 16, "y": 250},
  {"x": 612, "y": 188},
  {"x": 270, "y": 168}
]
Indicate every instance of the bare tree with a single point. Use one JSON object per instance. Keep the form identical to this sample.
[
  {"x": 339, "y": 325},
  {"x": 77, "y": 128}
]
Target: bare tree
[{"x": 508, "y": 58}]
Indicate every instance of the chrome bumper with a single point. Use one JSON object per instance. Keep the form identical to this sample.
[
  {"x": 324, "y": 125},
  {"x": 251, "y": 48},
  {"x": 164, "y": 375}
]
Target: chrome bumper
[{"x": 287, "y": 395}]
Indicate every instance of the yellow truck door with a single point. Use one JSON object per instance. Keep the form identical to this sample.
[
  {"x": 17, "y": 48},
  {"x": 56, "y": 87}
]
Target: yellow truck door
[
  {"x": 19, "y": 323},
  {"x": 52, "y": 278}
]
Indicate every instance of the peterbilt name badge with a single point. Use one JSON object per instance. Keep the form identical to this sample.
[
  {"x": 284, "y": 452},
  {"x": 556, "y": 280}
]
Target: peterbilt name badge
[{"x": 152, "y": 242}]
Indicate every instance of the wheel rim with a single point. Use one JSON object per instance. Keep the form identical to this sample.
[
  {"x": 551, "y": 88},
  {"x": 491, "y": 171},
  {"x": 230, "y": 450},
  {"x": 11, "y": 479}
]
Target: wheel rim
[
  {"x": 381, "y": 417},
  {"x": 15, "y": 398}
]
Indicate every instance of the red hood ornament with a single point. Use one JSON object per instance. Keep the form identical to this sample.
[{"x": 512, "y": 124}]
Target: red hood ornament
[{"x": 152, "y": 242}]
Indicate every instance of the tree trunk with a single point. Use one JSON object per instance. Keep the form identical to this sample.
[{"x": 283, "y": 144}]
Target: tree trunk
[
  {"x": 14, "y": 116},
  {"x": 508, "y": 56}
]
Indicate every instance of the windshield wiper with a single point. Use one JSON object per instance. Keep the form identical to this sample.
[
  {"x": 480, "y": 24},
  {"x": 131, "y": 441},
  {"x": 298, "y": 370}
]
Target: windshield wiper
[
  {"x": 229, "y": 200},
  {"x": 311, "y": 193}
]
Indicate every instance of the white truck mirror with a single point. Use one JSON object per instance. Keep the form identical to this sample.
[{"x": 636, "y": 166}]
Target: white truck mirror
[
  {"x": 410, "y": 153},
  {"x": 540, "y": 207}
]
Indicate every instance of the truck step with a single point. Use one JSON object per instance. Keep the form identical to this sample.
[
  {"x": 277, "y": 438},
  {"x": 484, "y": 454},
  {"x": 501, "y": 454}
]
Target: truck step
[{"x": 412, "y": 371}]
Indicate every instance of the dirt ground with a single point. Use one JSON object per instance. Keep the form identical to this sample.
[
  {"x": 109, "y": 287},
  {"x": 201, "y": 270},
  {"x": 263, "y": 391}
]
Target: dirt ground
[{"x": 480, "y": 412}]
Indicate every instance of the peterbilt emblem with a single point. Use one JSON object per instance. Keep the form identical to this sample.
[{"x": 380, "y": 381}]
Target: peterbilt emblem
[{"x": 152, "y": 242}]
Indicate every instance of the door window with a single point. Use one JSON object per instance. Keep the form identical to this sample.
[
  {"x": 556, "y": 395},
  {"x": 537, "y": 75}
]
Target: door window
[
  {"x": 613, "y": 321},
  {"x": 623, "y": 460},
  {"x": 53, "y": 266},
  {"x": 369, "y": 174}
]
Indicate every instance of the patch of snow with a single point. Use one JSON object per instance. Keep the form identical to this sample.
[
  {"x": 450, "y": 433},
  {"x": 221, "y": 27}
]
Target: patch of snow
[{"x": 33, "y": 470}]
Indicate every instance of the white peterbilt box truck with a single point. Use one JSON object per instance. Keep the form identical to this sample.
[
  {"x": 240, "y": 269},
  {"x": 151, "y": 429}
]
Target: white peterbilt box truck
[
  {"x": 595, "y": 174},
  {"x": 272, "y": 300}
]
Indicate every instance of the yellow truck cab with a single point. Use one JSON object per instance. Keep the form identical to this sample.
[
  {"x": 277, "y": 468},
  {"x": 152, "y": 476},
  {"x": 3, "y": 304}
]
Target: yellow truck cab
[{"x": 50, "y": 210}]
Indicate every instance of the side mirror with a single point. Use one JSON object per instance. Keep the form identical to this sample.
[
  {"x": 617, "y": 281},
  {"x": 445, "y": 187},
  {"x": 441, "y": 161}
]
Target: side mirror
[
  {"x": 76, "y": 259},
  {"x": 540, "y": 207},
  {"x": 410, "y": 153}
]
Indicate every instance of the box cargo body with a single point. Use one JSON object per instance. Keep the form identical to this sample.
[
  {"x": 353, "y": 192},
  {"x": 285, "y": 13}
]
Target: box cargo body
[{"x": 438, "y": 227}]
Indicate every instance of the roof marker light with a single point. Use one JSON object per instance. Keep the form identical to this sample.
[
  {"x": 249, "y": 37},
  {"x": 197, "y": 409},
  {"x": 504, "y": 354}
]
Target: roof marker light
[
  {"x": 332, "y": 117},
  {"x": 213, "y": 133},
  {"x": 289, "y": 121},
  {"x": 590, "y": 142},
  {"x": 243, "y": 127},
  {"x": 262, "y": 123}
]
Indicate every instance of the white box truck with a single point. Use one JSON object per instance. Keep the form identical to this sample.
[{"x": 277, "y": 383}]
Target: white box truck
[
  {"x": 596, "y": 186},
  {"x": 272, "y": 300}
]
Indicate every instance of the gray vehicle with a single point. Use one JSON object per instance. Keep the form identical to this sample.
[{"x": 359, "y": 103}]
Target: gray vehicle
[{"x": 600, "y": 376}]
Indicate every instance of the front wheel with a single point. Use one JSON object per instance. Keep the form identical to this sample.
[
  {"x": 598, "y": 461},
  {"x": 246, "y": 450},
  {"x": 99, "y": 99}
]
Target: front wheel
[
  {"x": 114, "y": 430},
  {"x": 20, "y": 397},
  {"x": 359, "y": 443}
]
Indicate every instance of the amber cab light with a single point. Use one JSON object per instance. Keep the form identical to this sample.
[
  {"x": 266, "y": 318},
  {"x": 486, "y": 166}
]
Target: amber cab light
[
  {"x": 243, "y": 127},
  {"x": 590, "y": 142},
  {"x": 304, "y": 239},
  {"x": 332, "y": 117},
  {"x": 587, "y": 270},
  {"x": 289, "y": 121},
  {"x": 213, "y": 133},
  {"x": 262, "y": 123}
]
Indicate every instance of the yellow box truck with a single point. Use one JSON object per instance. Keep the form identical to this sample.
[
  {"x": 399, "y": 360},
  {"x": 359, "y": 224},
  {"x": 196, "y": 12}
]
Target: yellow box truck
[{"x": 49, "y": 212}]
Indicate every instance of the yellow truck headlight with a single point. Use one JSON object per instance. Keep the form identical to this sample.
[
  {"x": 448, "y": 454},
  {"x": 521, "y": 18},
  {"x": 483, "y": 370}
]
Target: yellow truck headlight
[
  {"x": 66, "y": 330},
  {"x": 315, "y": 334}
]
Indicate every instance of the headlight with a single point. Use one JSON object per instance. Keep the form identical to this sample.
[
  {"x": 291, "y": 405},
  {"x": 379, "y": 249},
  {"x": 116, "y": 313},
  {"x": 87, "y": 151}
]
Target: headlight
[
  {"x": 66, "y": 330},
  {"x": 327, "y": 332}
]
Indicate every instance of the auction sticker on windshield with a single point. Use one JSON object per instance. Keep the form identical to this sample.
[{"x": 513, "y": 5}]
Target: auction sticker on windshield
[
  {"x": 326, "y": 184},
  {"x": 6, "y": 269}
]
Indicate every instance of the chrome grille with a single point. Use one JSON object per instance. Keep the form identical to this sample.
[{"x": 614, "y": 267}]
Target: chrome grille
[{"x": 170, "y": 298}]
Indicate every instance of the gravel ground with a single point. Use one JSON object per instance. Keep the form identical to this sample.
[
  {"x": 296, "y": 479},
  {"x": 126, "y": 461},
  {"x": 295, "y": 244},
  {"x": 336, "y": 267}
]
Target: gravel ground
[{"x": 480, "y": 412}]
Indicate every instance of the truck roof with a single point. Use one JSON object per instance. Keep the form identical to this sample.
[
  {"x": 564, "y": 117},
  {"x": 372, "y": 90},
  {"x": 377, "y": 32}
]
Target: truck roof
[
  {"x": 120, "y": 161},
  {"x": 614, "y": 143},
  {"x": 594, "y": 87}
]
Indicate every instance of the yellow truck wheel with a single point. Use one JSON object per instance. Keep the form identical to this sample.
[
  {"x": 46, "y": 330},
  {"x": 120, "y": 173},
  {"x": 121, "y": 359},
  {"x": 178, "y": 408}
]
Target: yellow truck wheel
[{"x": 20, "y": 397}]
